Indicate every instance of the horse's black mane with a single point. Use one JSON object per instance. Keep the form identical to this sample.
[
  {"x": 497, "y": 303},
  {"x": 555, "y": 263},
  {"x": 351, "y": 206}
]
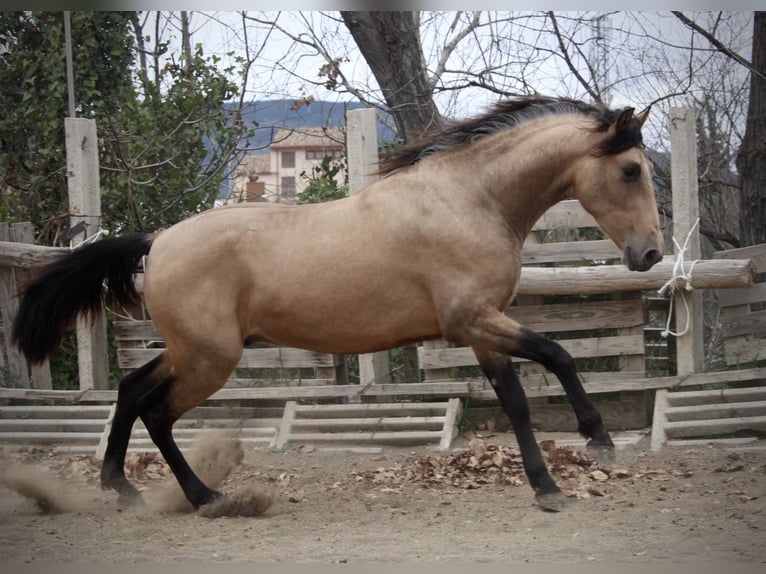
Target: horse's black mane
[{"x": 508, "y": 114}]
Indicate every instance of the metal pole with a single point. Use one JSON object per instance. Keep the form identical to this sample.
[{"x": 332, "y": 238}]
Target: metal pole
[{"x": 69, "y": 66}]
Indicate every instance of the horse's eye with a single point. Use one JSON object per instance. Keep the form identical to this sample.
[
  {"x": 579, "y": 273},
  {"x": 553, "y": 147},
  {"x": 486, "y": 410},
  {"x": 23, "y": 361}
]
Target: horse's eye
[{"x": 631, "y": 172}]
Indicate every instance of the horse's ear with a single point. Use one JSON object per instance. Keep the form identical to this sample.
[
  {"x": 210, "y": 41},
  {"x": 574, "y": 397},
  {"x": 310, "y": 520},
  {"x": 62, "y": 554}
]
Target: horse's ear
[
  {"x": 642, "y": 117},
  {"x": 623, "y": 121}
]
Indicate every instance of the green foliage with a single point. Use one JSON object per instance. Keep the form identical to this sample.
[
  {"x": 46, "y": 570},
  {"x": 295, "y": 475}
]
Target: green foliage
[
  {"x": 33, "y": 89},
  {"x": 154, "y": 167},
  {"x": 328, "y": 181}
]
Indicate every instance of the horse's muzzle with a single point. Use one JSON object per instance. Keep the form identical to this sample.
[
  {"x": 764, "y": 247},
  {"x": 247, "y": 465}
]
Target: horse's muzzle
[{"x": 641, "y": 260}]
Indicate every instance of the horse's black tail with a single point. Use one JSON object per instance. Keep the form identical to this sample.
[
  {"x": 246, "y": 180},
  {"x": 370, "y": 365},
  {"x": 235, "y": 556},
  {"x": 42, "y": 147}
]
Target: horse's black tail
[{"x": 74, "y": 285}]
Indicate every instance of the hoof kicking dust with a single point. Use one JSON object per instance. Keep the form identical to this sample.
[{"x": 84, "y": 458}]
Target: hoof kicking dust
[{"x": 213, "y": 457}]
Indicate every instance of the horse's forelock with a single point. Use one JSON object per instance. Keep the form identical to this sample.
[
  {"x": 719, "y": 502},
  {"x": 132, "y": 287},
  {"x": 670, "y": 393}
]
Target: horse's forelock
[{"x": 625, "y": 139}]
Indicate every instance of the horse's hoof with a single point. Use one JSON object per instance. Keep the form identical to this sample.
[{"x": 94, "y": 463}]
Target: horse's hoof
[
  {"x": 602, "y": 454},
  {"x": 209, "y": 498},
  {"x": 553, "y": 501}
]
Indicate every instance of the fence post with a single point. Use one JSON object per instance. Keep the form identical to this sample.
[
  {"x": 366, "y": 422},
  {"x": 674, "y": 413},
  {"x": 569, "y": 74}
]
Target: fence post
[
  {"x": 683, "y": 169},
  {"x": 85, "y": 209},
  {"x": 362, "y": 155}
]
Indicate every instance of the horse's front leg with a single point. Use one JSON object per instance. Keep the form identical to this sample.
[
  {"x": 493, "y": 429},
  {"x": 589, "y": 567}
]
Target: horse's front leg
[
  {"x": 498, "y": 368},
  {"x": 498, "y": 332},
  {"x": 553, "y": 357}
]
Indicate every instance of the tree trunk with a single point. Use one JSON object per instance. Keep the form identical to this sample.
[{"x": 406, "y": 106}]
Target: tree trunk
[
  {"x": 390, "y": 44},
  {"x": 751, "y": 160}
]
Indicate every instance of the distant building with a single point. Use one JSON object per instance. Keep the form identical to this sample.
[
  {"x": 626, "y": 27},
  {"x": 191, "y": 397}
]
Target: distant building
[{"x": 276, "y": 176}]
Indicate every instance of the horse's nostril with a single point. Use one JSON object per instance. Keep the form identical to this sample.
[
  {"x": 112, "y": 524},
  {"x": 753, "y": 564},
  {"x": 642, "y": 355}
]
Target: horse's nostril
[{"x": 652, "y": 256}]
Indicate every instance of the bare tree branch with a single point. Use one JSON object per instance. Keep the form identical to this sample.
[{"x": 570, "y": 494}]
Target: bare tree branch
[
  {"x": 450, "y": 46},
  {"x": 570, "y": 64},
  {"x": 717, "y": 43}
]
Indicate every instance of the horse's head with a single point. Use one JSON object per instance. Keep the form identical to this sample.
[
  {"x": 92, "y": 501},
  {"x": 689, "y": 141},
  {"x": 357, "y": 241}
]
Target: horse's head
[{"x": 614, "y": 184}]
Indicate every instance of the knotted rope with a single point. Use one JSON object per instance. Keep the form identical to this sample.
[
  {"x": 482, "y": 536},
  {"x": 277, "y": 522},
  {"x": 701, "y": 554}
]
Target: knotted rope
[{"x": 679, "y": 273}]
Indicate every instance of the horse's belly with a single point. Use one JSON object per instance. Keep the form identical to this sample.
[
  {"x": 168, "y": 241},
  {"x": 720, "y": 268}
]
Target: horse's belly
[{"x": 350, "y": 326}]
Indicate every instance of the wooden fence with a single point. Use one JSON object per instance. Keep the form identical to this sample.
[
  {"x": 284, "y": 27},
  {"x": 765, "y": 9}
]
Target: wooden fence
[{"x": 743, "y": 311}]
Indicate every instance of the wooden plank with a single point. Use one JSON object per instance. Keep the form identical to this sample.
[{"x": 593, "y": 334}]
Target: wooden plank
[
  {"x": 567, "y": 317},
  {"x": 659, "y": 419},
  {"x": 104, "y": 439},
  {"x": 26, "y": 255},
  {"x": 51, "y": 425},
  {"x": 590, "y": 280},
  {"x": 371, "y": 409},
  {"x": 630, "y": 412},
  {"x": 39, "y": 375},
  {"x": 756, "y": 253},
  {"x": 390, "y": 437},
  {"x": 730, "y": 297},
  {"x": 53, "y": 411},
  {"x": 565, "y": 214},
  {"x": 578, "y": 348},
  {"x": 685, "y": 198},
  {"x": 135, "y": 331},
  {"x": 367, "y": 423},
  {"x": 452, "y": 418},
  {"x": 536, "y": 376},
  {"x": 716, "y": 410},
  {"x": 639, "y": 384},
  {"x": 444, "y": 389},
  {"x": 743, "y": 350},
  {"x": 280, "y": 357},
  {"x": 48, "y": 438},
  {"x": 753, "y": 323},
  {"x": 9, "y": 306},
  {"x": 714, "y": 427},
  {"x": 431, "y": 374},
  {"x": 242, "y": 383},
  {"x": 473, "y": 389},
  {"x": 283, "y": 433},
  {"x": 140, "y": 432},
  {"x": 570, "y": 251},
  {"x": 235, "y": 423},
  {"x": 713, "y": 396},
  {"x": 729, "y": 441}
]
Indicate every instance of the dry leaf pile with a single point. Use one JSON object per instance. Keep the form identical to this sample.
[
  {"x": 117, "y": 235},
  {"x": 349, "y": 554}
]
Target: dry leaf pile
[{"x": 483, "y": 465}]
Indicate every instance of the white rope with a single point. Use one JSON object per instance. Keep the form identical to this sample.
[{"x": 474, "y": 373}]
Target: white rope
[
  {"x": 679, "y": 273},
  {"x": 95, "y": 237}
]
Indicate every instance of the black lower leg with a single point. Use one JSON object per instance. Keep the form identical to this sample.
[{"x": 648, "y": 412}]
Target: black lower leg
[
  {"x": 131, "y": 388},
  {"x": 159, "y": 419},
  {"x": 554, "y": 358},
  {"x": 514, "y": 402}
]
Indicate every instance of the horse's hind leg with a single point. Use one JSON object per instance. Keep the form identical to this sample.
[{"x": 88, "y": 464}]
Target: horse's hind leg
[
  {"x": 165, "y": 403},
  {"x": 131, "y": 388},
  {"x": 498, "y": 368}
]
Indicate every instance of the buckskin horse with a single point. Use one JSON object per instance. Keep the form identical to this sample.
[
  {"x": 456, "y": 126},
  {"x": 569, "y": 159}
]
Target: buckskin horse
[{"x": 432, "y": 249}]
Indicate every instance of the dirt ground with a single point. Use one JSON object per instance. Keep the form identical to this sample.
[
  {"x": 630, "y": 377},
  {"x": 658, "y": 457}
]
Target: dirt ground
[{"x": 684, "y": 504}]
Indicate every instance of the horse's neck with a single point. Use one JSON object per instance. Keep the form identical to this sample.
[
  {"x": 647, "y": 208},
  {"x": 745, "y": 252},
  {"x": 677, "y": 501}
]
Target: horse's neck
[{"x": 532, "y": 171}]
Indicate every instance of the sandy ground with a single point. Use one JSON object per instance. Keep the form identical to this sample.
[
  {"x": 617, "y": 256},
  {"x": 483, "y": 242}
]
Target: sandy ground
[{"x": 682, "y": 504}]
